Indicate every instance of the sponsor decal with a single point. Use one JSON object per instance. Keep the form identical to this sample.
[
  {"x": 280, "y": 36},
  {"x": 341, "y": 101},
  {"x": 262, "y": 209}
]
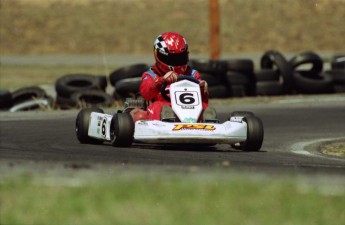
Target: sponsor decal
[
  {"x": 104, "y": 123},
  {"x": 187, "y": 107},
  {"x": 193, "y": 127},
  {"x": 189, "y": 120},
  {"x": 236, "y": 118},
  {"x": 143, "y": 122}
]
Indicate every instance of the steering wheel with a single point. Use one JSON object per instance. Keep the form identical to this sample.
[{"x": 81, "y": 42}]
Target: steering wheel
[{"x": 165, "y": 92}]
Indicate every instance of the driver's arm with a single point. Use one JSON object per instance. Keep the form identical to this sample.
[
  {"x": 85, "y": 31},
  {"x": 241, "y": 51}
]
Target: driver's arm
[
  {"x": 203, "y": 87},
  {"x": 150, "y": 87}
]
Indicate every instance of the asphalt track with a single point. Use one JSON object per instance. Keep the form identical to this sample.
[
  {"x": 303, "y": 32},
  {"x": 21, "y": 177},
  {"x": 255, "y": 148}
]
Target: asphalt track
[{"x": 293, "y": 126}]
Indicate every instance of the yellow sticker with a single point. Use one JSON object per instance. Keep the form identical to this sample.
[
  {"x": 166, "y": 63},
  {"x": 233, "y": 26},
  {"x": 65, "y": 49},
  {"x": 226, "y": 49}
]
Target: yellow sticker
[{"x": 193, "y": 127}]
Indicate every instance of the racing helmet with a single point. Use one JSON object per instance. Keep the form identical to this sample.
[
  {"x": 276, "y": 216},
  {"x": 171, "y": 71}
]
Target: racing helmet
[{"x": 171, "y": 52}]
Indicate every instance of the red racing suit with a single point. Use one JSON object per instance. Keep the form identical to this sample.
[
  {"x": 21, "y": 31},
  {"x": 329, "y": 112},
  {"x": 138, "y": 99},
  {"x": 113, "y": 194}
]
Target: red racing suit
[{"x": 150, "y": 92}]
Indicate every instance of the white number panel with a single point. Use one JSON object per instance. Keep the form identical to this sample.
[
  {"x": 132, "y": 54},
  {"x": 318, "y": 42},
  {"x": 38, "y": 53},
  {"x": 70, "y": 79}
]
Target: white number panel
[{"x": 186, "y": 100}]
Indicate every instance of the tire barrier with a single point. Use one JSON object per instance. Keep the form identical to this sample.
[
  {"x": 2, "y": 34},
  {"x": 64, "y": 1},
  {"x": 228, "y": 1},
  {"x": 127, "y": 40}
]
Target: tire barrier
[
  {"x": 305, "y": 58},
  {"x": 310, "y": 80},
  {"x": 128, "y": 87},
  {"x": 82, "y": 90},
  {"x": 35, "y": 104},
  {"x": 338, "y": 62},
  {"x": 24, "y": 99},
  {"x": 267, "y": 75},
  {"x": 232, "y": 78},
  {"x": 85, "y": 99},
  {"x": 238, "y": 77},
  {"x": 68, "y": 84},
  {"x": 276, "y": 61},
  {"x": 302, "y": 74},
  {"x": 337, "y": 72},
  {"x": 28, "y": 93},
  {"x": 5, "y": 99},
  {"x": 213, "y": 72},
  {"x": 131, "y": 71},
  {"x": 128, "y": 75}
]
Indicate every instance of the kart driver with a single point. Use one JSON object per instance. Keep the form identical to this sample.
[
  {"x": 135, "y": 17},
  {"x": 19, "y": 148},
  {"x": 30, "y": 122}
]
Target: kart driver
[{"x": 171, "y": 56}]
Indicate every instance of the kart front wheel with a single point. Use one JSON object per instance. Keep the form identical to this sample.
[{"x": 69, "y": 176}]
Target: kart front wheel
[
  {"x": 82, "y": 126},
  {"x": 255, "y": 134},
  {"x": 122, "y": 130}
]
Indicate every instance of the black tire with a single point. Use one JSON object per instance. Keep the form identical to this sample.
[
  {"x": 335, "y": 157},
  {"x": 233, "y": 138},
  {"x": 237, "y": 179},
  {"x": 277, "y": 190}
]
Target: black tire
[
  {"x": 338, "y": 76},
  {"x": 92, "y": 98},
  {"x": 245, "y": 66},
  {"x": 103, "y": 82},
  {"x": 338, "y": 62},
  {"x": 255, "y": 134},
  {"x": 82, "y": 126},
  {"x": 307, "y": 58},
  {"x": 65, "y": 103},
  {"x": 237, "y": 78},
  {"x": 269, "y": 88},
  {"x": 321, "y": 84},
  {"x": 131, "y": 71},
  {"x": 68, "y": 84},
  {"x": 122, "y": 130},
  {"x": 214, "y": 67},
  {"x": 28, "y": 93},
  {"x": 275, "y": 60},
  {"x": 211, "y": 79},
  {"x": 266, "y": 75},
  {"x": 219, "y": 91},
  {"x": 238, "y": 90},
  {"x": 5, "y": 99},
  {"x": 241, "y": 82},
  {"x": 35, "y": 104},
  {"x": 128, "y": 87}
]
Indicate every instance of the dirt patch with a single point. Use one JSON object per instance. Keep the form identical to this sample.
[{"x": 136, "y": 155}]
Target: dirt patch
[
  {"x": 333, "y": 148},
  {"x": 108, "y": 27}
]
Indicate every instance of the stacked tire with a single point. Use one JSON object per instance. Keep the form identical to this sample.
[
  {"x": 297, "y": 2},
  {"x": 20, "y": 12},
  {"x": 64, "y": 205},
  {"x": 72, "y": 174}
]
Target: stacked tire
[
  {"x": 240, "y": 77},
  {"x": 308, "y": 75},
  {"x": 82, "y": 90},
  {"x": 126, "y": 80},
  {"x": 337, "y": 72},
  {"x": 274, "y": 76},
  {"x": 213, "y": 72},
  {"x": 24, "y": 99},
  {"x": 227, "y": 78}
]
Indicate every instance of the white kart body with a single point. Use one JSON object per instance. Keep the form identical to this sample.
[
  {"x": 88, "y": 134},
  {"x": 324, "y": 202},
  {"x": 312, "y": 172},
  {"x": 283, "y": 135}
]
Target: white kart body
[
  {"x": 187, "y": 105},
  {"x": 192, "y": 133}
]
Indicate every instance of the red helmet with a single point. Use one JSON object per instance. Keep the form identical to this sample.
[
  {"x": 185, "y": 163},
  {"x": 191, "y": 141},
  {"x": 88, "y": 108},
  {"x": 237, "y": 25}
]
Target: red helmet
[{"x": 171, "y": 52}]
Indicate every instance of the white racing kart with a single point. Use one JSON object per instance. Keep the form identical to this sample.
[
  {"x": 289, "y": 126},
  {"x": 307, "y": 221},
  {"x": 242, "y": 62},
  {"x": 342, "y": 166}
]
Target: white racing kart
[{"x": 243, "y": 130}]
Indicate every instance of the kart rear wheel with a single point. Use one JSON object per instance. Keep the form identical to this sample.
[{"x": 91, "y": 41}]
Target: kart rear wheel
[
  {"x": 255, "y": 134},
  {"x": 122, "y": 130},
  {"x": 82, "y": 126}
]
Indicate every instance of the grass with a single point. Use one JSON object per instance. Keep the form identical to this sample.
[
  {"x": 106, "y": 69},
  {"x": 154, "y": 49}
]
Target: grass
[{"x": 170, "y": 199}]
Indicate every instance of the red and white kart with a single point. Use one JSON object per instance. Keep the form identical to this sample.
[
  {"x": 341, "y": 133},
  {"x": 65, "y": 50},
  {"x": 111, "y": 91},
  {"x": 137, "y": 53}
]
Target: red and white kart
[{"x": 243, "y": 130}]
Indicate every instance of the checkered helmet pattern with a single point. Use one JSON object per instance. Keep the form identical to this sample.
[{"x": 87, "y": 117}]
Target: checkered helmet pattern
[{"x": 161, "y": 46}]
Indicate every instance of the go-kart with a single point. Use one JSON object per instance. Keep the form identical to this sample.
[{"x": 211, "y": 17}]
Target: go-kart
[{"x": 243, "y": 130}]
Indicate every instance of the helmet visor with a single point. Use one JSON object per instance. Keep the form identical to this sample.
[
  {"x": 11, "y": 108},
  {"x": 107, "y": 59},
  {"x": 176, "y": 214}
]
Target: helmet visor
[{"x": 178, "y": 59}]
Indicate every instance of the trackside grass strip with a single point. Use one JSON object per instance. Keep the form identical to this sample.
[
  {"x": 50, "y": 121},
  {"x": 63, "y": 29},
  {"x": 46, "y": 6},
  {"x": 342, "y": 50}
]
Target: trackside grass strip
[{"x": 169, "y": 199}]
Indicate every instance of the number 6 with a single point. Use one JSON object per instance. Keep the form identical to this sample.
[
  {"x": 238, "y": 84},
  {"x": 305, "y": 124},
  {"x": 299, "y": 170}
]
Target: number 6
[{"x": 187, "y": 98}]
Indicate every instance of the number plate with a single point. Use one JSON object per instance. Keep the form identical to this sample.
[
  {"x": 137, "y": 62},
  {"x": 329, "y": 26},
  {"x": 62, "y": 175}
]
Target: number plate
[{"x": 186, "y": 100}]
